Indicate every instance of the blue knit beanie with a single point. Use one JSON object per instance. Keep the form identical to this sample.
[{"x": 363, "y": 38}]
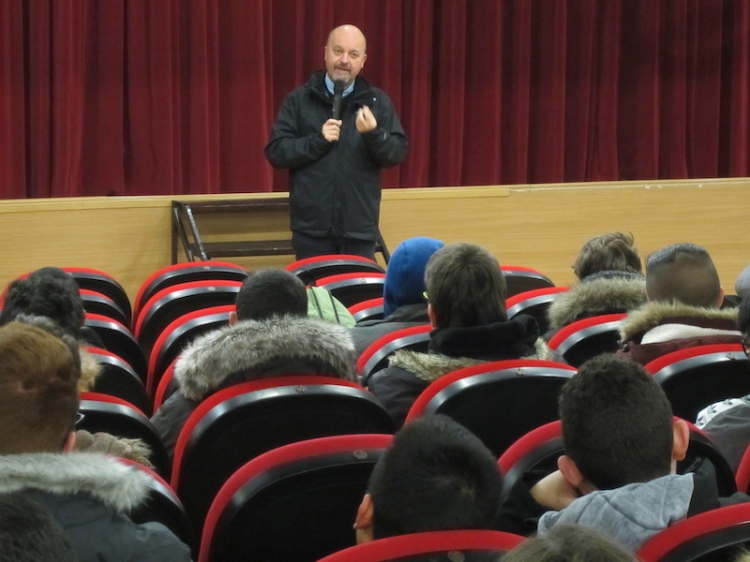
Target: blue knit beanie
[{"x": 404, "y": 277}]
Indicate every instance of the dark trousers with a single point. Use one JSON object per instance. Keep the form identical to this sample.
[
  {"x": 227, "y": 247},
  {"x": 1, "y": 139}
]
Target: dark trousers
[{"x": 311, "y": 246}]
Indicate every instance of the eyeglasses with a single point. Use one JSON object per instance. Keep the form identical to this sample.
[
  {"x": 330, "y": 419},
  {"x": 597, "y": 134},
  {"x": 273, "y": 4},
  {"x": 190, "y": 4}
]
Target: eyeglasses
[
  {"x": 79, "y": 418},
  {"x": 427, "y": 298},
  {"x": 746, "y": 345}
]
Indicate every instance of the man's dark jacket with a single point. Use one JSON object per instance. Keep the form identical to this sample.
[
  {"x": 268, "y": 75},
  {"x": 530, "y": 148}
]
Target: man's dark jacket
[{"x": 334, "y": 187}]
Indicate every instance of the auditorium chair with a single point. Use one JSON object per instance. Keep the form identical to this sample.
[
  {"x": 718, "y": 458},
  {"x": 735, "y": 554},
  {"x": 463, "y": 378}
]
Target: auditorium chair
[
  {"x": 172, "y": 302},
  {"x": 293, "y": 503},
  {"x": 180, "y": 333},
  {"x": 719, "y": 535},
  {"x": 371, "y": 309},
  {"x": 520, "y": 279},
  {"x": 117, "y": 378},
  {"x": 498, "y": 401},
  {"x": 109, "y": 414},
  {"x": 742, "y": 477},
  {"x": 118, "y": 339},
  {"x": 99, "y": 303},
  {"x": 375, "y": 357},
  {"x": 540, "y": 448},
  {"x": 581, "y": 340},
  {"x": 351, "y": 288},
  {"x": 183, "y": 273},
  {"x": 697, "y": 377},
  {"x": 101, "y": 282},
  {"x": 534, "y": 303},
  {"x": 162, "y": 506},
  {"x": 466, "y": 545},
  {"x": 310, "y": 270},
  {"x": 166, "y": 387},
  {"x": 245, "y": 420}
]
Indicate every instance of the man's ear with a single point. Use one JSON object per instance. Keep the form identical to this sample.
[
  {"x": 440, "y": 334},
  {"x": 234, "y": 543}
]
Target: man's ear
[
  {"x": 721, "y": 297},
  {"x": 681, "y": 441},
  {"x": 70, "y": 442},
  {"x": 570, "y": 471},
  {"x": 431, "y": 315},
  {"x": 363, "y": 523},
  {"x": 233, "y": 318}
]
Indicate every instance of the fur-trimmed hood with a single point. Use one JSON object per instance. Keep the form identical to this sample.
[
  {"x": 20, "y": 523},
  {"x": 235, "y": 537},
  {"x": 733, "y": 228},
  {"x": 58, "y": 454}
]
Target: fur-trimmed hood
[
  {"x": 116, "y": 485},
  {"x": 654, "y": 314},
  {"x": 90, "y": 370},
  {"x": 254, "y": 347},
  {"x": 456, "y": 348},
  {"x": 599, "y": 296}
]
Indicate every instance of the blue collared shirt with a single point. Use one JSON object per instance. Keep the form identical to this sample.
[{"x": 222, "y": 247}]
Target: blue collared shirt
[{"x": 329, "y": 86}]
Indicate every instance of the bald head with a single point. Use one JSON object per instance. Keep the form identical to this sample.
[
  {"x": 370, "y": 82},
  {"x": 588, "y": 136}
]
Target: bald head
[
  {"x": 683, "y": 273},
  {"x": 345, "y": 53}
]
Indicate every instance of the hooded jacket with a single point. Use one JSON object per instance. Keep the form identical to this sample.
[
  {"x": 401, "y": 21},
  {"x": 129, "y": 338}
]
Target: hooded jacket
[
  {"x": 629, "y": 515},
  {"x": 252, "y": 350},
  {"x": 90, "y": 496},
  {"x": 450, "y": 349},
  {"x": 603, "y": 295},
  {"x": 334, "y": 187},
  {"x": 658, "y": 328}
]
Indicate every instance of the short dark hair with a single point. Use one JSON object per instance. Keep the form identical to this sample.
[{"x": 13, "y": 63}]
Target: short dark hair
[
  {"x": 616, "y": 423},
  {"x": 271, "y": 292},
  {"x": 39, "y": 398},
  {"x": 743, "y": 316},
  {"x": 435, "y": 476},
  {"x": 609, "y": 252},
  {"x": 683, "y": 273},
  {"x": 569, "y": 543},
  {"x": 28, "y": 533},
  {"x": 49, "y": 292},
  {"x": 465, "y": 287}
]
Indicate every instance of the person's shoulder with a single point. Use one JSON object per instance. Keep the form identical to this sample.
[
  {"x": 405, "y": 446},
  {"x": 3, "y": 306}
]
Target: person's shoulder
[{"x": 154, "y": 541}]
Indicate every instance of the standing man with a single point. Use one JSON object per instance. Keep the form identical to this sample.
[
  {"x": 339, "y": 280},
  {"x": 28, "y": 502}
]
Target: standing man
[{"x": 334, "y": 152}]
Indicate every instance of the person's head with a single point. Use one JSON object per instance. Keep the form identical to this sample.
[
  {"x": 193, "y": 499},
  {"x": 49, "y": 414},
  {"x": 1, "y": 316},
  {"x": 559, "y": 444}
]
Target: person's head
[
  {"x": 436, "y": 475},
  {"x": 28, "y": 533},
  {"x": 465, "y": 287},
  {"x": 49, "y": 292},
  {"x": 569, "y": 543},
  {"x": 742, "y": 285},
  {"x": 38, "y": 390},
  {"x": 683, "y": 273},
  {"x": 345, "y": 53},
  {"x": 270, "y": 292},
  {"x": 617, "y": 426},
  {"x": 743, "y": 320},
  {"x": 404, "y": 278},
  {"x": 609, "y": 252}
]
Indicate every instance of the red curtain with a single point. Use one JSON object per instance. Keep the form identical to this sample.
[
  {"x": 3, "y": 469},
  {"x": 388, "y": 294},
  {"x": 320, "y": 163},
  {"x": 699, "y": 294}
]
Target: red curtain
[{"x": 136, "y": 97}]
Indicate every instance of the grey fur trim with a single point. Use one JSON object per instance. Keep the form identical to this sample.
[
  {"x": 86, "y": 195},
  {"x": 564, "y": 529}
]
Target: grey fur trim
[
  {"x": 211, "y": 358},
  {"x": 598, "y": 295},
  {"x": 431, "y": 366},
  {"x": 103, "y": 478},
  {"x": 651, "y": 315}
]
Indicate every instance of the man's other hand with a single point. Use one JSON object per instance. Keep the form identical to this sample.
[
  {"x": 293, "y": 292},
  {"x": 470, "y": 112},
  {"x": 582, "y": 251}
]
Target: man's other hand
[{"x": 366, "y": 121}]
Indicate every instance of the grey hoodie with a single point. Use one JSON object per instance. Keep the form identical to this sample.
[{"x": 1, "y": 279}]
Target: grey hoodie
[{"x": 629, "y": 515}]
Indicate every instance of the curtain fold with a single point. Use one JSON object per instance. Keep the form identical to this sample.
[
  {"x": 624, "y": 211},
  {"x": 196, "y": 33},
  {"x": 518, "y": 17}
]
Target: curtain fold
[{"x": 134, "y": 97}]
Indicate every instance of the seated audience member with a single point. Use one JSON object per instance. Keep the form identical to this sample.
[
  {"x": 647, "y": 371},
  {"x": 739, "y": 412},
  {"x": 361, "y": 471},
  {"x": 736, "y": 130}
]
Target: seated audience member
[
  {"x": 322, "y": 304},
  {"x": 728, "y": 422},
  {"x": 466, "y": 292},
  {"x": 269, "y": 335},
  {"x": 621, "y": 447},
  {"x": 609, "y": 270},
  {"x": 684, "y": 296},
  {"x": 88, "y": 494},
  {"x": 569, "y": 543},
  {"x": 29, "y": 534},
  {"x": 435, "y": 476},
  {"x": 742, "y": 285},
  {"x": 404, "y": 304}
]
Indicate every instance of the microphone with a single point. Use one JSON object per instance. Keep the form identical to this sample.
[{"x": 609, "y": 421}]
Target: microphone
[{"x": 338, "y": 90}]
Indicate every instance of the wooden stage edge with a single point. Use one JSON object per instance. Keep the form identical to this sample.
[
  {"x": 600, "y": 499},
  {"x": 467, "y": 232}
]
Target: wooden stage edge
[{"x": 541, "y": 226}]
